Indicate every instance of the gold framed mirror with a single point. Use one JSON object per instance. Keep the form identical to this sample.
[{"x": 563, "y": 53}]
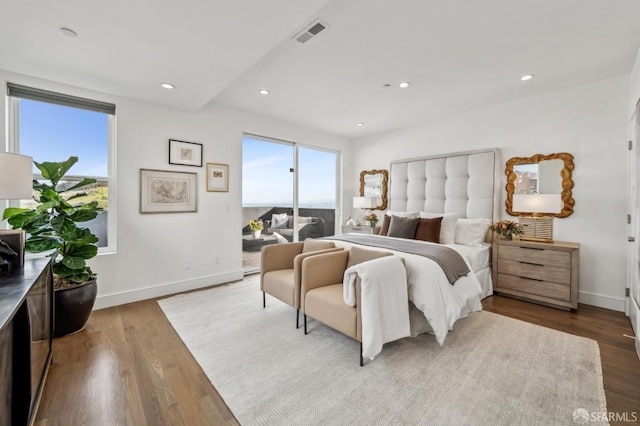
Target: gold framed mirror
[
  {"x": 373, "y": 183},
  {"x": 541, "y": 174}
]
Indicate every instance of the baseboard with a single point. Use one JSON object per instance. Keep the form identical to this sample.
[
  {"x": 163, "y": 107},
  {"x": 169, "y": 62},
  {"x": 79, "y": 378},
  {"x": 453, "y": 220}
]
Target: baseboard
[
  {"x": 601, "y": 301},
  {"x": 115, "y": 299}
]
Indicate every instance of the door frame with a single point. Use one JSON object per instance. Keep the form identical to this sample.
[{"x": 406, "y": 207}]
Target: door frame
[{"x": 295, "y": 168}]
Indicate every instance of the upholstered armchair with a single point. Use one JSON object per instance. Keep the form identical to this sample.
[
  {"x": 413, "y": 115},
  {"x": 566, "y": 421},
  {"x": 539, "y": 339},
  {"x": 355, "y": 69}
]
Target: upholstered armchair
[
  {"x": 321, "y": 291},
  {"x": 281, "y": 270}
]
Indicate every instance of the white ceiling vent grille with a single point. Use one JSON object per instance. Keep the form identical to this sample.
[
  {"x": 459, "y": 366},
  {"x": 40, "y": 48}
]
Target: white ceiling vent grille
[{"x": 310, "y": 31}]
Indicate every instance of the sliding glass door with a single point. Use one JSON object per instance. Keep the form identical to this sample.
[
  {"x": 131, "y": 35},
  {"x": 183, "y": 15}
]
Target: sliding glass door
[
  {"x": 317, "y": 192},
  {"x": 287, "y": 188}
]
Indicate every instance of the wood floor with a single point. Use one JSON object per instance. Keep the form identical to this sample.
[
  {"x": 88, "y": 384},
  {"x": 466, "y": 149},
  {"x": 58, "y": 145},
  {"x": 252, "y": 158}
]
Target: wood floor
[{"x": 129, "y": 367}]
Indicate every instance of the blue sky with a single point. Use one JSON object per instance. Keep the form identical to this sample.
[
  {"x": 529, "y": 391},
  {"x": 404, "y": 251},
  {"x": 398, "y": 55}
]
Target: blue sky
[
  {"x": 266, "y": 179},
  {"x": 54, "y": 133}
]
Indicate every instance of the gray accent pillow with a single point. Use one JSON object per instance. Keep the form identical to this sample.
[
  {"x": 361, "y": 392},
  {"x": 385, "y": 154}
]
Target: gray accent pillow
[{"x": 403, "y": 227}]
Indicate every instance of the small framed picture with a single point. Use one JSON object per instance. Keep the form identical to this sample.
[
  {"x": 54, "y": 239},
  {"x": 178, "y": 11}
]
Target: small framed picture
[
  {"x": 217, "y": 177},
  {"x": 162, "y": 191},
  {"x": 185, "y": 153}
]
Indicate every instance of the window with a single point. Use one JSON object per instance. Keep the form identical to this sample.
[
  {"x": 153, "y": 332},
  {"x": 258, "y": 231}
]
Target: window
[{"x": 51, "y": 126}]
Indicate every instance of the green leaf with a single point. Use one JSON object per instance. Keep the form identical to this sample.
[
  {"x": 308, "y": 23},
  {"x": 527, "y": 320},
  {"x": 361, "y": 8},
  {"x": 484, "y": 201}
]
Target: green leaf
[
  {"x": 83, "y": 215},
  {"x": 42, "y": 243},
  {"x": 77, "y": 195},
  {"x": 13, "y": 211},
  {"x": 37, "y": 224},
  {"x": 84, "y": 251},
  {"x": 42, "y": 186},
  {"x": 73, "y": 262},
  {"x": 62, "y": 271},
  {"x": 54, "y": 171},
  {"x": 45, "y": 206},
  {"x": 63, "y": 224},
  {"x": 84, "y": 182},
  {"x": 20, "y": 220},
  {"x": 80, "y": 277},
  {"x": 80, "y": 236},
  {"x": 75, "y": 275}
]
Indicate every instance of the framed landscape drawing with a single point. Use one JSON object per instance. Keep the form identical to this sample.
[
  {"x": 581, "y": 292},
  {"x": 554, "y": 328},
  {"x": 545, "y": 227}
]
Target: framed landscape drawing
[
  {"x": 217, "y": 177},
  {"x": 185, "y": 153},
  {"x": 163, "y": 191}
]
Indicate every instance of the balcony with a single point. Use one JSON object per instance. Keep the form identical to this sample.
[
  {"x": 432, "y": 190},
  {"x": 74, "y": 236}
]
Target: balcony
[{"x": 312, "y": 223}]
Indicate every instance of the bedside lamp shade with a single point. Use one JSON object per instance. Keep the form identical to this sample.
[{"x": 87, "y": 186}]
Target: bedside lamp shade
[
  {"x": 537, "y": 203},
  {"x": 16, "y": 176},
  {"x": 536, "y": 227},
  {"x": 365, "y": 202}
]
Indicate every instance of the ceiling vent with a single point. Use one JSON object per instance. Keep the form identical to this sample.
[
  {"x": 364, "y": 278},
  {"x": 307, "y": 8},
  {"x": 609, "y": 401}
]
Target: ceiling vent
[{"x": 311, "y": 31}]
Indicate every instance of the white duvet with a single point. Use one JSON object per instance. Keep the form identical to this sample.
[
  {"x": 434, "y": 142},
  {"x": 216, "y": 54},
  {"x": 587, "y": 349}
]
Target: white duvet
[{"x": 441, "y": 303}]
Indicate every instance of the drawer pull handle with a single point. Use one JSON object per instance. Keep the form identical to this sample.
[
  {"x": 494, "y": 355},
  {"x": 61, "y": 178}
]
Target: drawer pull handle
[
  {"x": 531, "y": 263},
  {"x": 531, "y": 248},
  {"x": 529, "y": 278}
]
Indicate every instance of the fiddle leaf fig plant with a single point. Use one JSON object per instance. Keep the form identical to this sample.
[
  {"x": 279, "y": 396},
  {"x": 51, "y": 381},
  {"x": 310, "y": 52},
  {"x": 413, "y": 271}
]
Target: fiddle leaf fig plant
[{"x": 53, "y": 223}]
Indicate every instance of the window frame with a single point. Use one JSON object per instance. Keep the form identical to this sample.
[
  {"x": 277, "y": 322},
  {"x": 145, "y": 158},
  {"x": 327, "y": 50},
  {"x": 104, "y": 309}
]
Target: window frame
[{"x": 13, "y": 131}]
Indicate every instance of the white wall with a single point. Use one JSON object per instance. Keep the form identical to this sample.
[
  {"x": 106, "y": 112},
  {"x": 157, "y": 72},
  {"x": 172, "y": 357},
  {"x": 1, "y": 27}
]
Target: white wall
[
  {"x": 633, "y": 305},
  {"x": 153, "y": 249},
  {"x": 590, "y": 122},
  {"x": 634, "y": 84}
]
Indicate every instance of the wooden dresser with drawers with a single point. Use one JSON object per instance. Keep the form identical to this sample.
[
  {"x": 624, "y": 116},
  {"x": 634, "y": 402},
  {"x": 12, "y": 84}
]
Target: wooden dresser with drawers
[{"x": 546, "y": 273}]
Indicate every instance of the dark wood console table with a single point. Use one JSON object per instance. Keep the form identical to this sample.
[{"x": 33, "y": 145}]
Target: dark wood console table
[{"x": 26, "y": 332}]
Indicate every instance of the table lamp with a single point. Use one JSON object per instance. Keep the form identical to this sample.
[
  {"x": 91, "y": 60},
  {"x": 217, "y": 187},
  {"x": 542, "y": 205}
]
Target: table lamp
[
  {"x": 537, "y": 227},
  {"x": 363, "y": 203},
  {"x": 16, "y": 183}
]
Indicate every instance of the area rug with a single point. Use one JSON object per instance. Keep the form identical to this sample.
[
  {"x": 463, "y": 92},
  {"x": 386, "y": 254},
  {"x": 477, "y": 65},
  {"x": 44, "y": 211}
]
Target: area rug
[{"x": 491, "y": 370}]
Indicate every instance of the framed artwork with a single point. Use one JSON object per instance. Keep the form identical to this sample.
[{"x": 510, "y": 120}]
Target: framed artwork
[
  {"x": 163, "y": 191},
  {"x": 185, "y": 153},
  {"x": 217, "y": 177}
]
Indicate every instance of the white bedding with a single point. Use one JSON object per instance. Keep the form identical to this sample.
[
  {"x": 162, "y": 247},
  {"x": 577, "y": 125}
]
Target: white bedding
[
  {"x": 478, "y": 257},
  {"x": 441, "y": 303}
]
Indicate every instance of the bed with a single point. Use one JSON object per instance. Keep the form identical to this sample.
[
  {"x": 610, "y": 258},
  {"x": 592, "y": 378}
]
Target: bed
[{"x": 460, "y": 187}]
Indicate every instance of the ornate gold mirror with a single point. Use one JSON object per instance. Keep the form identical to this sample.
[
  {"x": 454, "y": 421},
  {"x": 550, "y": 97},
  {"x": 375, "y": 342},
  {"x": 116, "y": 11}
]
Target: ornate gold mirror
[
  {"x": 373, "y": 183},
  {"x": 546, "y": 175}
]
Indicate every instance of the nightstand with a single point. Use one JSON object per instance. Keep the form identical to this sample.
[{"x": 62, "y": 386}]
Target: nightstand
[
  {"x": 545, "y": 273},
  {"x": 361, "y": 229}
]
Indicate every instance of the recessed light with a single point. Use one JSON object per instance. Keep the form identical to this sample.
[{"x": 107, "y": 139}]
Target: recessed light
[
  {"x": 263, "y": 91},
  {"x": 167, "y": 85},
  {"x": 386, "y": 86},
  {"x": 68, "y": 32},
  {"x": 404, "y": 84},
  {"x": 526, "y": 77},
  {"x": 359, "y": 124}
]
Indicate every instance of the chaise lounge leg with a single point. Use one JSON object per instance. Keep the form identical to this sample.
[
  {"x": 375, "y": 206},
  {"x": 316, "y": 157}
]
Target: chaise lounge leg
[
  {"x": 361, "y": 360},
  {"x": 305, "y": 324},
  {"x": 297, "y": 318},
  {"x": 264, "y": 300}
]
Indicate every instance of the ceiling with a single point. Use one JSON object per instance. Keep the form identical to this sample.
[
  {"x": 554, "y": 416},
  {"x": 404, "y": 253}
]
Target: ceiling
[{"x": 458, "y": 55}]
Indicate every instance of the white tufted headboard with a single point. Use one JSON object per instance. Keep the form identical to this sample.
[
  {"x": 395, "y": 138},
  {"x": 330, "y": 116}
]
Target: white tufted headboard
[{"x": 463, "y": 182}]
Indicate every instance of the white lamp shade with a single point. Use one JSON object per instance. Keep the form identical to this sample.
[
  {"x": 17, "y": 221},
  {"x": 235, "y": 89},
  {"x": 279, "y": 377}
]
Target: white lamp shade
[
  {"x": 537, "y": 203},
  {"x": 365, "y": 202},
  {"x": 16, "y": 176}
]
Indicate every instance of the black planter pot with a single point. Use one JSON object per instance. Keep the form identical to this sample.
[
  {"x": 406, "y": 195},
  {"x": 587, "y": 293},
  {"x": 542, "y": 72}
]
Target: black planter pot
[{"x": 73, "y": 306}]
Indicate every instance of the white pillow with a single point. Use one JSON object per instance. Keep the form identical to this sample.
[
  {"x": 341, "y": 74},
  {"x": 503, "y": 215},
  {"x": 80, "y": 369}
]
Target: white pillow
[
  {"x": 447, "y": 227},
  {"x": 279, "y": 220},
  {"x": 471, "y": 232},
  {"x": 280, "y": 239},
  {"x": 402, "y": 214}
]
